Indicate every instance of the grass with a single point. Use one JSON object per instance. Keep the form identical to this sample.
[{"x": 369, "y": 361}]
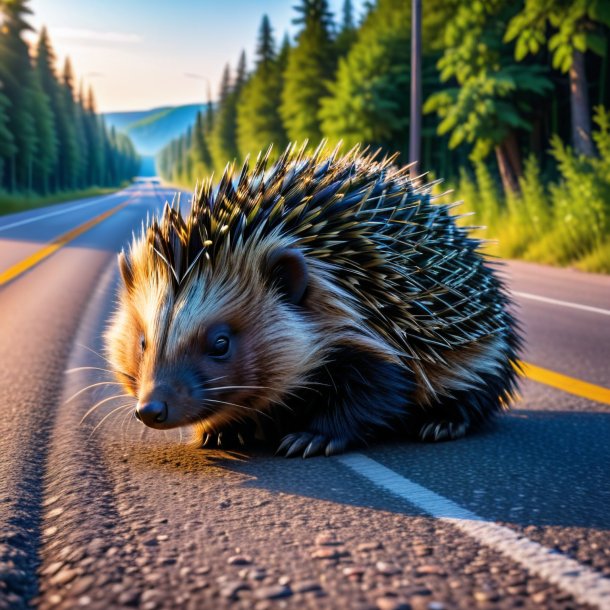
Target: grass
[
  {"x": 9, "y": 204},
  {"x": 562, "y": 223}
]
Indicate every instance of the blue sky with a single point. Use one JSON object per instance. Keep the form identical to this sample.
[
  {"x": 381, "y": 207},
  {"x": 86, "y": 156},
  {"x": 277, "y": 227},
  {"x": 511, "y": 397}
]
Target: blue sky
[{"x": 139, "y": 54}]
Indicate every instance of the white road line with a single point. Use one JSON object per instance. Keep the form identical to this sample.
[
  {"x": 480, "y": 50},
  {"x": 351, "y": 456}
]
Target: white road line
[
  {"x": 56, "y": 212},
  {"x": 535, "y": 297},
  {"x": 583, "y": 583}
]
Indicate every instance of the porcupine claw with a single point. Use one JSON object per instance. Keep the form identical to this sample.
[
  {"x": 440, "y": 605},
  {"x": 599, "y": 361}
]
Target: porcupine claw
[
  {"x": 442, "y": 431},
  {"x": 310, "y": 445}
]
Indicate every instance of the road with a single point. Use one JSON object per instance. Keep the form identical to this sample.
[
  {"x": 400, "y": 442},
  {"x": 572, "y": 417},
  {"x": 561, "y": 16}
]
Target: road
[{"x": 109, "y": 514}]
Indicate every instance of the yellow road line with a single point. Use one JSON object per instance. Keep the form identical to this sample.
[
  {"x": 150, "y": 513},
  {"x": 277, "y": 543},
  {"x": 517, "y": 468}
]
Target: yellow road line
[
  {"x": 565, "y": 383},
  {"x": 27, "y": 263}
]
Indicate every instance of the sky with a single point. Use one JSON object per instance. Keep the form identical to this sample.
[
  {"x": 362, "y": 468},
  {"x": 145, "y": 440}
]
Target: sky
[{"x": 140, "y": 54}]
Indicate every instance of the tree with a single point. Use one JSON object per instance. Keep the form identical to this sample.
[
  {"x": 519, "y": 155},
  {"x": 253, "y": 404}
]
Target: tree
[
  {"x": 69, "y": 168},
  {"x": 258, "y": 119},
  {"x": 577, "y": 29},
  {"x": 311, "y": 65},
  {"x": 348, "y": 33},
  {"x": 45, "y": 114},
  {"x": 15, "y": 74},
  {"x": 7, "y": 141},
  {"x": 223, "y": 141},
  {"x": 369, "y": 100},
  {"x": 200, "y": 152},
  {"x": 490, "y": 102}
]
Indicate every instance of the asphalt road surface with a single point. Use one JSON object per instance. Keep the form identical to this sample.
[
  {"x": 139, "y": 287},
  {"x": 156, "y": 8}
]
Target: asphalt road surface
[{"x": 108, "y": 514}]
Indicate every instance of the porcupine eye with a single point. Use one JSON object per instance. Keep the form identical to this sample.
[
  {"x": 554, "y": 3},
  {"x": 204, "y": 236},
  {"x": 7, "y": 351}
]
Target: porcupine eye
[
  {"x": 218, "y": 341},
  {"x": 142, "y": 343}
]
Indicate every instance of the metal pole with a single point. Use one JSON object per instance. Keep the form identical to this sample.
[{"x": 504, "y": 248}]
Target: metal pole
[{"x": 415, "y": 123}]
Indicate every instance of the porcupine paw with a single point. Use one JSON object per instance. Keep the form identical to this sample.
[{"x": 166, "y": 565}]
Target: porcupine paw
[
  {"x": 309, "y": 444},
  {"x": 443, "y": 430}
]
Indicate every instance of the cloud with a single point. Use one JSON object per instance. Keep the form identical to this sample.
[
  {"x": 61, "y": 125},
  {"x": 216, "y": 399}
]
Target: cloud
[
  {"x": 195, "y": 76},
  {"x": 86, "y": 35}
]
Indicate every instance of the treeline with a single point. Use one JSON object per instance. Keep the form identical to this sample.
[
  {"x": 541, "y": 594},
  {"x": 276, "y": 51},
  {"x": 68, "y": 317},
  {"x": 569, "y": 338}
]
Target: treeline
[
  {"x": 509, "y": 89},
  {"x": 51, "y": 138}
]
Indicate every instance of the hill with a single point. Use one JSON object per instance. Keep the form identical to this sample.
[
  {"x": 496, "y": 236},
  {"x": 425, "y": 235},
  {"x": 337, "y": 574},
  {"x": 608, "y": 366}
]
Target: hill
[{"x": 152, "y": 129}]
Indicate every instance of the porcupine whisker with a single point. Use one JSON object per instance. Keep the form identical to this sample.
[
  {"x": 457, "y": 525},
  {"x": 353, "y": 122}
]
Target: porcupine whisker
[
  {"x": 88, "y": 368},
  {"x": 103, "y": 401},
  {"x": 105, "y": 358},
  {"x": 107, "y": 416},
  {"x": 232, "y": 404},
  {"x": 89, "y": 387}
]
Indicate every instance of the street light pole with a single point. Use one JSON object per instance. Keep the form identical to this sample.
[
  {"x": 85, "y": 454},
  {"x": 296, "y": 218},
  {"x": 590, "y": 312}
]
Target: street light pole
[{"x": 415, "y": 122}]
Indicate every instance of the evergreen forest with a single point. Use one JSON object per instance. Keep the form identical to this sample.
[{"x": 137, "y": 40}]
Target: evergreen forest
[{"x": 51, "y": 138}]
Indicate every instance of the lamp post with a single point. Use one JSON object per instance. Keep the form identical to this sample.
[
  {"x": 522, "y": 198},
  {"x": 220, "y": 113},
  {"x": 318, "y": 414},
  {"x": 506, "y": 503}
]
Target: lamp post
[{"x": 415, "y": 119}]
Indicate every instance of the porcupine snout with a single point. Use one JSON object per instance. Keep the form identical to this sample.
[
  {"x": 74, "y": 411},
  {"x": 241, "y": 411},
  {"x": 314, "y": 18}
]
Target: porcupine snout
[{"x": 152, "y": 412}]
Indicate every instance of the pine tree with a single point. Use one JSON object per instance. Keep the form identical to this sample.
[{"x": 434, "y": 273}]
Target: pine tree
[
  {"x": 70, "y": 159},
  {"x": 348, "y": 33},
  {"x": 311, "y": 64},
  {"x": 7, "y": 140},
  {"x": 200, "y": 152},
  {"x": 258, "y": 119},
  {"x": 223, "y": 140},
  {"x": 368, "y": 102},
  {"x": 44, "y": 121},
  {"x": 15, "y": 74}
]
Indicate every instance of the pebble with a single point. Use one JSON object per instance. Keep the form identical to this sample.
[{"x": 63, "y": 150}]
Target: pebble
[
  {"x": 306, "y": 586},
  {"x": 327, "y": 540},
  {"x": 328, "y": 553},
  {"x": 51, "y": 569},
  {"x": 273, "y": 592},
  {"x": 232, "y": 588},
  {"x": 387, "y": 569},
  {"x": 540, "y": 597},
  {"x": 485, "y": 596},
  {"x": 81, "y": 586},
  {"x": 63, "y": 577},
  {"x": 354, "y": 572},
  {"x": 162, "y": 537},
  {"x": 239, "y": 560},
  {"x": 85, "y": 600},
  {"x": 421, "y": 550},
  {"x": 129, "y": 598},
  {"x": 391, "y": 603},
  {"x": 369, "y": 546},
  {"x": 429, "y": 569}
]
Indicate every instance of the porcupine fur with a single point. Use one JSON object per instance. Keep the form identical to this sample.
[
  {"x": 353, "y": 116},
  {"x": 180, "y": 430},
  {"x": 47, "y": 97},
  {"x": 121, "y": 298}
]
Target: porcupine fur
[{"x": 353, "y": 305}]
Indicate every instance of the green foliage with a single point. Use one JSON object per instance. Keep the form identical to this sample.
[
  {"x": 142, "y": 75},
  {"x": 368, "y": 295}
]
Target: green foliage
[
  {"x": 258, "y": 120},
  {"x": 367, "y": 103},
  {"x": 310, "y": 66},
  {"x": 491, "y": 99},
  {"x": 223, "y": 138},
  {"x": 567, "y": 222},
  {"x": 573, "y": 24}
]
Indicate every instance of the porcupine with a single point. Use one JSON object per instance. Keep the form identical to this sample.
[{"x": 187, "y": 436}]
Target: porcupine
[{"x": 319, "y": 303}]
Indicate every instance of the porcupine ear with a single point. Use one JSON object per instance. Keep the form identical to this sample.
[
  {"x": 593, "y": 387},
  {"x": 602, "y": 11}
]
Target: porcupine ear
[
  {"x": 125, "y": 269},
  {"x": 288, "y": 269}
]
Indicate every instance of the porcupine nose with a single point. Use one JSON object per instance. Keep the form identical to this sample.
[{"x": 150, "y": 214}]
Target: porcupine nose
[{"x": 151, "y": 413}]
